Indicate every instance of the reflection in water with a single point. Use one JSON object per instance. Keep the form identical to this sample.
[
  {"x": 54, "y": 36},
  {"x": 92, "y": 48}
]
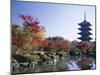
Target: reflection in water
[
  {"x": 72, "y": 64},
  {"x": 93, "y": 64},
  {"x": 84, "y": 63}
]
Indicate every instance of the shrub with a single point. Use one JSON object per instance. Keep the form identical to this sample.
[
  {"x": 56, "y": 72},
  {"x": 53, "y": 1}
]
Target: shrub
[
  {"x": 61, "y": 53},
  {"x": 50, "y": 55},
  {"x": 33, "y": 57},
  {"x": 46, "y": 58},
  {"x": 20, "y": 58}
]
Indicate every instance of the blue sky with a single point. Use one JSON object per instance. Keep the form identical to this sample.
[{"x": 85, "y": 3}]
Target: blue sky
[{"x": 58, "y": 19}]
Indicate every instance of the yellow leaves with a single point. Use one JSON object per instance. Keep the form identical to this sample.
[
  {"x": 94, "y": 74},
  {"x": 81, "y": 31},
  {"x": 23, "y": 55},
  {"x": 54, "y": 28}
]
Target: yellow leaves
[{"x": 40, "y": 35}]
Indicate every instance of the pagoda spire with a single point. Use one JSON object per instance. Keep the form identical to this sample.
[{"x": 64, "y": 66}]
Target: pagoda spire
[{"x": 84, "y": 15}]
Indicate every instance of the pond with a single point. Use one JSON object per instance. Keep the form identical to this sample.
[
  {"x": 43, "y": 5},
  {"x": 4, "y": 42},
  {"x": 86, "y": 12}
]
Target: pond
[{"x": 73, "y": 64}]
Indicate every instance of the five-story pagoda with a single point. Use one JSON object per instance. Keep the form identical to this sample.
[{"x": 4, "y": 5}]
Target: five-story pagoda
[{"x": 85, "y": 28}]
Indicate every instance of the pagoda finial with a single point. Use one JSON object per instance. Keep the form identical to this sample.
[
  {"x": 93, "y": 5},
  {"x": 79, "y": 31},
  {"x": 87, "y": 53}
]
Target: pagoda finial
[{"x": 84, "y": 15}]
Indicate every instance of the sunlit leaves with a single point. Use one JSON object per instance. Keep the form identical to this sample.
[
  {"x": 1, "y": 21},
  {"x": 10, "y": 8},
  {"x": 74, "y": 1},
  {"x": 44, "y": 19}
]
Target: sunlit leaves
[
  {"x": 30, "y": 35},
  {"x": 33, "y": 29}
]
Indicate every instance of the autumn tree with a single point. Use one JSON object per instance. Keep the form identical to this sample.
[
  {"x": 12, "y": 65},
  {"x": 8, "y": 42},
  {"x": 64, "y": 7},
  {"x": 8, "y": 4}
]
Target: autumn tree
[
  {"x": 30, "y": 35},
  {"x": 36, "y": 32},
  {"x": 16, "y": 38},
  {"x": 56, "y": 44},
  {"x": 93, "y": 46},
  {"x": 84, "y": 46}
]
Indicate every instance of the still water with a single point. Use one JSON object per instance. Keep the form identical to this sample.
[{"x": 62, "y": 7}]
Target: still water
[{"x": 72, "y": 64}]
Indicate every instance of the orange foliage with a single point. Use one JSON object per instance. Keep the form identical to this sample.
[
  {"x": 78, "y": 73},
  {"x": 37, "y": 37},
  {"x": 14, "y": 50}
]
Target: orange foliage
[
  {"x": 37, "y": 30},
  {"x": 84, "y": 45}
]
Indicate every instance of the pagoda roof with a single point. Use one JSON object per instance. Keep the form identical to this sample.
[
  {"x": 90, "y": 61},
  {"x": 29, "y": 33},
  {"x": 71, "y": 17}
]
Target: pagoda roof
[
  {"x": 85, "y": 33},
  {"x": 84, "y": 23},
  {"x": 85, "y": 38},
  {"x": 83, "y": 29}
]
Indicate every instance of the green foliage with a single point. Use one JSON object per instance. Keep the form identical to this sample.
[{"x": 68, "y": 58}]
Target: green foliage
[
  {"x": 50, "y": 55},
  {"x": 46, "y": 57},
  {"x": 61, "y": 53},
  {"x": 21, "y": 58},
  {"x": 33, "y": 57}
]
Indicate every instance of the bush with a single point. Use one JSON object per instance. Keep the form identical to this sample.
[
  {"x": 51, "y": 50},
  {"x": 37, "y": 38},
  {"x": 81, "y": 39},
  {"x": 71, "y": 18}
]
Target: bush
[
  {"x": 33, "y": 57},
  {"x": 32, "y": 53},
  {"x": 50, "y": 55},
  {"x": 46, "y": 58},
  {"x": 20, "y": 58},
  {"x": 61, "y": 53}
]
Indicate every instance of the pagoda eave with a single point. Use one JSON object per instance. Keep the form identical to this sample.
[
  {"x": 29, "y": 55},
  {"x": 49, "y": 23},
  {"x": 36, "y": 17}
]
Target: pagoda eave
[
  {"x": 85, "y": 33},
  {"x": 85, "y": 29}
]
